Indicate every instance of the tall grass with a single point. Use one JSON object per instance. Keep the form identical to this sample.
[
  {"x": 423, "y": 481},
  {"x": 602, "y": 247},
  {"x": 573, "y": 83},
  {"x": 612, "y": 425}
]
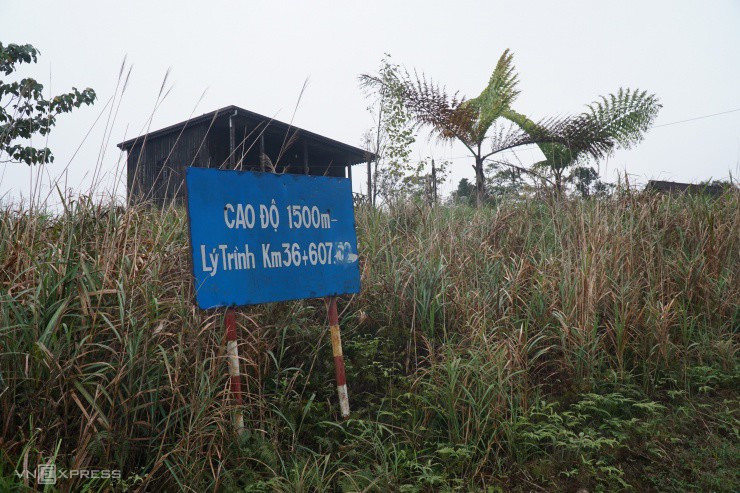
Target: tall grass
[{"x": 470, "y": 325}]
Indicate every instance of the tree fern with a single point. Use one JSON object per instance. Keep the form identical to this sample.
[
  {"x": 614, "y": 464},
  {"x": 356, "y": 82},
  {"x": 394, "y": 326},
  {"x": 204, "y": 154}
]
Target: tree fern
[
  {"x": 614, "y": 121},
  {"x": 617, "y": 120}
]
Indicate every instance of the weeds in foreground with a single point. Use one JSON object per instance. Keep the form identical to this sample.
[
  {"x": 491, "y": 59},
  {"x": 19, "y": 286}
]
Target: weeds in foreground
[{"x": 537, "y": 345}]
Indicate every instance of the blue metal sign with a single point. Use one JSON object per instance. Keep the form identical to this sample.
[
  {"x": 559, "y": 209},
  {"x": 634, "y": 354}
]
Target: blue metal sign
[{"x": 262, "y": 237}]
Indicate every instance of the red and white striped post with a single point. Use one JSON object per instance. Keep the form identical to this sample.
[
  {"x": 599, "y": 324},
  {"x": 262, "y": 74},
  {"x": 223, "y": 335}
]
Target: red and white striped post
[
  {"x": 336, "y": 345},
  {"x": 232, "y": 358}
]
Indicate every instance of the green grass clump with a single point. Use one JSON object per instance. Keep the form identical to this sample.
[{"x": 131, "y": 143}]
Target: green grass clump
[{"x": 552, "y": 345}]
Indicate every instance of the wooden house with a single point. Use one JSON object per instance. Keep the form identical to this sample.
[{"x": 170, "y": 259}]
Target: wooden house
[{"x": 229, "y": 138}]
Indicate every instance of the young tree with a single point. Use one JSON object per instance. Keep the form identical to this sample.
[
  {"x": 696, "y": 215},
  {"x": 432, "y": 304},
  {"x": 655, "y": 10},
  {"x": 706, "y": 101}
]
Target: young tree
[
  {"x": 391, "y": 138},
  {"x": 424, "y": 181},
  {"x": 25, "y": 112}
]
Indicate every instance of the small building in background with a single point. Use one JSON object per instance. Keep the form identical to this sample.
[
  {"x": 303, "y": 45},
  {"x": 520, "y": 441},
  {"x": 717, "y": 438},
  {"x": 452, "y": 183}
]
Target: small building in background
[
  {"x": 713, "y": 190},
  {"x": 229, "y": 138}
]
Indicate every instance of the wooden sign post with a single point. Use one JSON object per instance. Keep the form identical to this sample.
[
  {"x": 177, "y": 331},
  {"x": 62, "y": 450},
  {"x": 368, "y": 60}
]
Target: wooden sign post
[
  {"x": 336, "y": 346},
  {"x": 232, "y": 358}
]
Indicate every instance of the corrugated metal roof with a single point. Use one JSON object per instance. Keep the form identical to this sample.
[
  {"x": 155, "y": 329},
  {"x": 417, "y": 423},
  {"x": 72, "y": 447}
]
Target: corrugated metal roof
[
  {"x": 672, "y": 186},
  {"x": 354, "y": 154}
]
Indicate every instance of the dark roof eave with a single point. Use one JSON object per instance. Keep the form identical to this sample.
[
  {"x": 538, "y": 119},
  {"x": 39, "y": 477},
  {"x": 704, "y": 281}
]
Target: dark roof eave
[{"x": 357, "y": 155}]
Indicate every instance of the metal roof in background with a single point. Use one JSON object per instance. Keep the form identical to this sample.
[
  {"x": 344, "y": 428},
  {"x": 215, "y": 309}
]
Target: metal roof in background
[
  {"x": 274, "y": 128},
  {"x": 691, "y": 188}
]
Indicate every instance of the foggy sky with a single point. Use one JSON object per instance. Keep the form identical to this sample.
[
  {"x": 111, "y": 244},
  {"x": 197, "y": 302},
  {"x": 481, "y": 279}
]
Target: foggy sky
[{"x": 257, "y": 55}]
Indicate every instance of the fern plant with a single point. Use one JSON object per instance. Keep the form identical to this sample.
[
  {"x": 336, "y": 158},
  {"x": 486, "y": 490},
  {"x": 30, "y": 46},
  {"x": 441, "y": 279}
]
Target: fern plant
[
  {"x": 614, "y": 121},
  {"x": 617, "y": 121}
]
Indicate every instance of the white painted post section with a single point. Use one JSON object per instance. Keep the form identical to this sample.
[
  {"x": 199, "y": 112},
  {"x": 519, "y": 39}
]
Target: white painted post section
[
  {"x": 336, "y": 345},
  {"x": 232, "y": 359}
]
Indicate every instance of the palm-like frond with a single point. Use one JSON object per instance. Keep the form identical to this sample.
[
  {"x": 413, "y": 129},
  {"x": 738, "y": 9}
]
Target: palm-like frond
[
  {"x": 625, "y": 116},
  {"x": 614, "y": 121},
  {"x": 496, "y": 98},
  {"x": 428, "y": 103},
  {"x": 551, "y": 138},
  {"x": 451, "y": 116},
  {"x": 558, "y": 156},
  {"x": 502, "y": 135}
]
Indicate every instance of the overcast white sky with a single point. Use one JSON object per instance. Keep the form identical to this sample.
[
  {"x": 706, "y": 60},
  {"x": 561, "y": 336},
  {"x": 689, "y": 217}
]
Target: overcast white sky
[{"x": 257, "y": 55}]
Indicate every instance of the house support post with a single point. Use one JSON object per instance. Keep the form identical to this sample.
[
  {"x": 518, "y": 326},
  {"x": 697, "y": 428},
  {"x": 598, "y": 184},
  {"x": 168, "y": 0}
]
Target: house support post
[
  {"x": 370, "y": 182},
  {"x": 262, "y": 152},
  {"x": 306, "y": 169},
  {"x": 232, "y": 141}
]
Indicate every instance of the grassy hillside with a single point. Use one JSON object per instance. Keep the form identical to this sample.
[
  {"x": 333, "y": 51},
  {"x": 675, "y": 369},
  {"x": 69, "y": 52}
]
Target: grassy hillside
[{"x": 533, "y": 347}]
